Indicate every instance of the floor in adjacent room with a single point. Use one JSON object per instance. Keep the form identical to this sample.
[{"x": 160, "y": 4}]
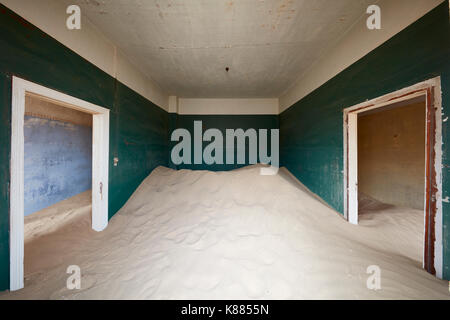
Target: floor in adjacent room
[{"x": 231, "y": 235}]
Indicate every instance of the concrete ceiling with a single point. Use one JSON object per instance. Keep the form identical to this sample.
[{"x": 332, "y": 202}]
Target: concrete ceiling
[{"x": 185, "y": 45}]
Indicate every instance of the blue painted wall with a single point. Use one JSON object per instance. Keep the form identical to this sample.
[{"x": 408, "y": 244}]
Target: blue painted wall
[
  {"x": 58, "y": 161},
  {"x": 138, "y": 128}
]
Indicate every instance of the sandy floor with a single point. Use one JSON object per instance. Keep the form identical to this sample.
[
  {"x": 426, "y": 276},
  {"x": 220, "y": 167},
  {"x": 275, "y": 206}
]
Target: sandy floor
[
  {"x": 41, "y": 228},
  {"x": 219, "y": 235}
]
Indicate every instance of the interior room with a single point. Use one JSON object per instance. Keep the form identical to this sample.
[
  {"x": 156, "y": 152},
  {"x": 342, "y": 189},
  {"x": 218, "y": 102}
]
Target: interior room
[
  {"x": 391, "y": 167},
  {"x": 57, "y": 172},
  {"x": 254, "y": 149},
  {"x": 391, "y": 147}
]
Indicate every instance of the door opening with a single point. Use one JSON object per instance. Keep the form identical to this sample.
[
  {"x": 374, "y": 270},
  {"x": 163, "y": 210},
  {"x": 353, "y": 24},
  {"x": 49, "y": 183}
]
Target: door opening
[
  {"x": 100, "y": 150},
  {"x": 407, "y": 189}
]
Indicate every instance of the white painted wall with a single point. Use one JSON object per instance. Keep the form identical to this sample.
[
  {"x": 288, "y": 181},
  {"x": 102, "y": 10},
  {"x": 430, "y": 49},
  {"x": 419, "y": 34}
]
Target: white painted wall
[
  {"x": 227, "y": 106},
  {"x": 356, "y": 43},
  {"x": 50, "y": 16}
]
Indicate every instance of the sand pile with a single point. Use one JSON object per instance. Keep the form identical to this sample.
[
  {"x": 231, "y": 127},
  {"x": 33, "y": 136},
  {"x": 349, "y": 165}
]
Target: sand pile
[
  {"x": 219, "y": 235},
  {"x": 58, "y": 216}
]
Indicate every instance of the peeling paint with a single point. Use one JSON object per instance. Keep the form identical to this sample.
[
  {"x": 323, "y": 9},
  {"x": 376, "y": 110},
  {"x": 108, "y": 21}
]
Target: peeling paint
[{"x": 58, "y": 158}]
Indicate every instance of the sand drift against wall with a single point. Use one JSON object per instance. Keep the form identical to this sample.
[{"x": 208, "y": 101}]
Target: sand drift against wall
[{"x": 210, "y": 235}]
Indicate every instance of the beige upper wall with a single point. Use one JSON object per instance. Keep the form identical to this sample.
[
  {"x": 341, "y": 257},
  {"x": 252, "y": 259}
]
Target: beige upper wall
[
  {"x": 356, "y": 43},
  {"x": 50, "y": 16},
  {"x": 173, "y": 104},
  {"x": 89, "y": 42},
  {"x": 40, "y": 108},
  {"x": 227, "y": 106}
]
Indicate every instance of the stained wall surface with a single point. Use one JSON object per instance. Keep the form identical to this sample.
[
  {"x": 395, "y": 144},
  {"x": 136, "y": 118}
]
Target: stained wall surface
[
  {"x": 138, "y": 127},
  {"x": 311, "y": 130},
  {"x": 391, "y": 155},
  {"x": 58, "y": 153}
]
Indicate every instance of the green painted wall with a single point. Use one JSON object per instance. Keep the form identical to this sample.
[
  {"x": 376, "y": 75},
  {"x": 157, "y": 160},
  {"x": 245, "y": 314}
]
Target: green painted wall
[
  {"x": 221, "y": 122},
  {"x": 5, "y": 150},
  {"x": 138, "y": 129},
  {"x": 311, "y": 132}
]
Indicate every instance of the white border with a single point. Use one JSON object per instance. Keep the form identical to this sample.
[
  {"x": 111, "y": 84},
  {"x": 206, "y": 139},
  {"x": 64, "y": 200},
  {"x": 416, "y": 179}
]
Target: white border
[
  {"x": 351, "y": 141},
  {"x": 100, "y": 162}
]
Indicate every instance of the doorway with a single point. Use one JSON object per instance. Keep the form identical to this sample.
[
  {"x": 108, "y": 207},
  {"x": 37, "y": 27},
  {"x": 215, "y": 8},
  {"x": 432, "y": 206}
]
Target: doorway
[
  {"x": 427, "y": 93},
  {"x": 100, "y": 153}
]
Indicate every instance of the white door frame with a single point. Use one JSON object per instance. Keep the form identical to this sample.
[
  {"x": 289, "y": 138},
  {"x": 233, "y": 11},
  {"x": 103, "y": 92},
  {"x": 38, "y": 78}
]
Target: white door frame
[
  {"x": 431, "y": 90},
  {"x": 100, "y": 155}
]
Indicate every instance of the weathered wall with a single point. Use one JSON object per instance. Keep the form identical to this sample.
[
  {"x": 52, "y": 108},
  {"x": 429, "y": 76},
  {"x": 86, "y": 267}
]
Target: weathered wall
[
  {"x": 88, "y": 42},
  {"x": 355, "y": 44},
  {"x": 58, "y": 161},
  {"x": 138, "y": 128},
  {"x": 42, "y": 108},
  {"x": 391, "y": 155},
  {"x": 58, "y": 153},
  {"x": 311, "y": 131},
  {"x": 222, "y": 122},
  {"x": 222, "y": 114}
]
